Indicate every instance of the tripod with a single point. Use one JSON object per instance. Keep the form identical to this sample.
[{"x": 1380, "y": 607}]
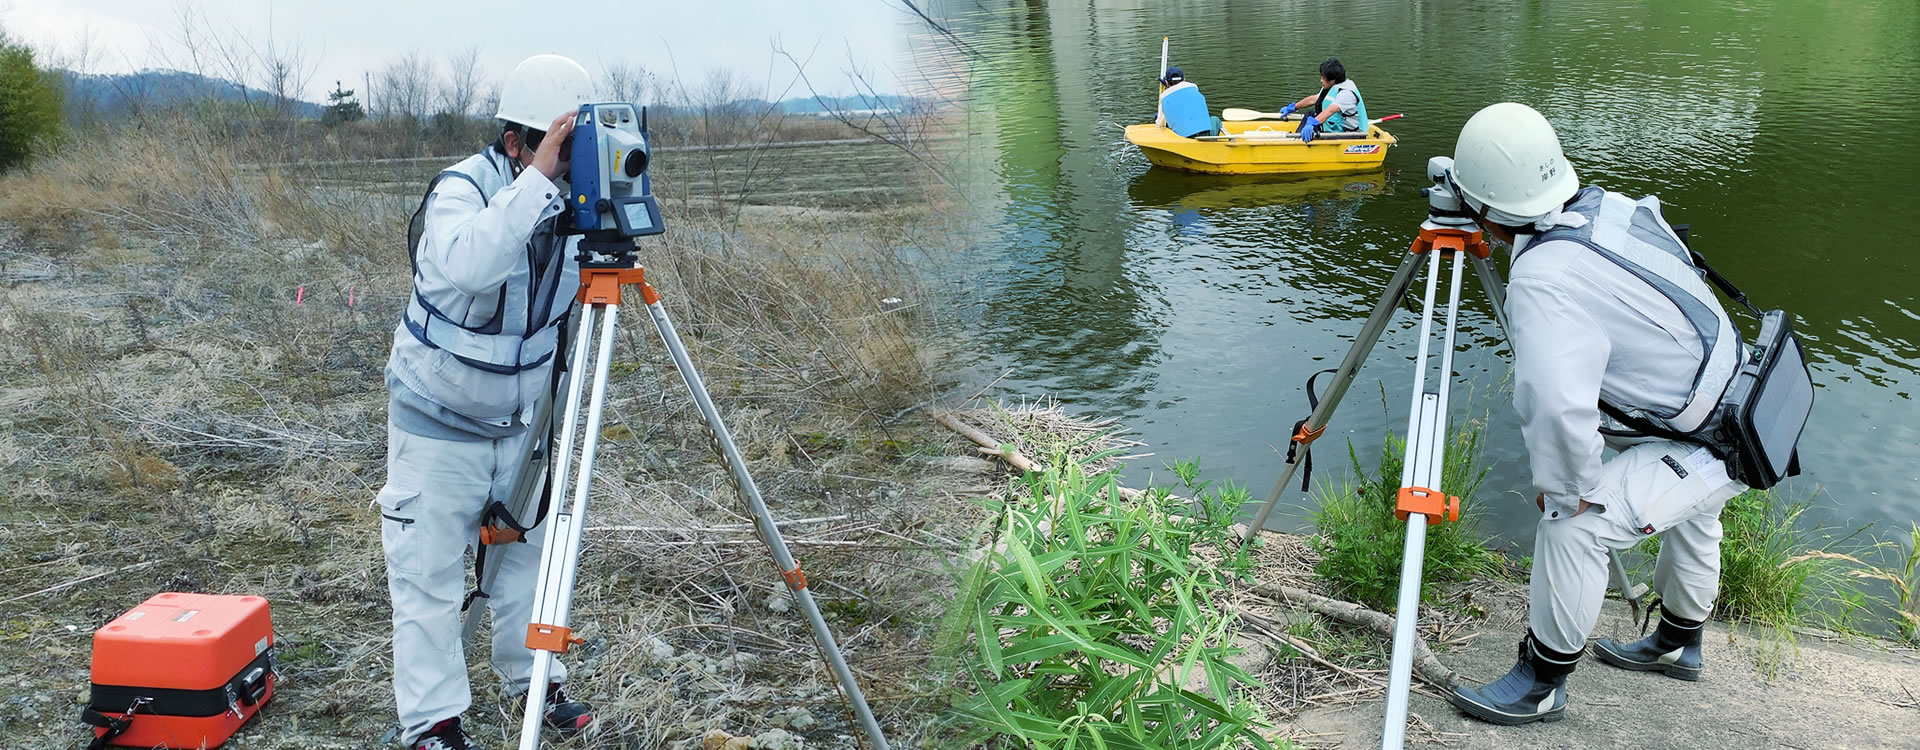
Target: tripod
[
  {"x": 1446, "y": 234},
  {"x": 605, "y": 268}
]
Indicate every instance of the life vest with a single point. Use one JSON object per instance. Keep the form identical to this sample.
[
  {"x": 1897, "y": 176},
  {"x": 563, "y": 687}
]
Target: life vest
[
  {"x": 1633, "y": 235},
  {"x": 1341, "y": 122},
  {"x": 1186, "y": 110},
  {"x": 487, "y": 357}
]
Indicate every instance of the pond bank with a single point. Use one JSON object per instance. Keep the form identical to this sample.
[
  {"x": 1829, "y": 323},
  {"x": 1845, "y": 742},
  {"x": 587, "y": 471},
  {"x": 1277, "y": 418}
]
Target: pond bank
[{"x": 1321, "y": 680}]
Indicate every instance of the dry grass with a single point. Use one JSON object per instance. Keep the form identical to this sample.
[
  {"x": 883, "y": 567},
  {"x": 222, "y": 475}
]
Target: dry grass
[{"x": 172, "y": 419}]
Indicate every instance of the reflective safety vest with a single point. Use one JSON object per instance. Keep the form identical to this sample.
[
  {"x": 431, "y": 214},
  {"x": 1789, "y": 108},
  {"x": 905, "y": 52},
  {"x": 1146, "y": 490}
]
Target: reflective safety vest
[
  {"x": 487, "y": 357},
  {"x": 1633, "y": 235},
  {"x": 1186, "y": 110},
  {"x": 1341, "y": 122}
]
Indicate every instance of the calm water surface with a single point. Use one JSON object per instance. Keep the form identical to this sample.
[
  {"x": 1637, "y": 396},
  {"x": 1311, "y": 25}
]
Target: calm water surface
[{"x": 1195, "y": 307}]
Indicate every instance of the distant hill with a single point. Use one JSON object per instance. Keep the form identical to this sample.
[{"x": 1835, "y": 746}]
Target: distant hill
[
  {"x": 116, "y": 93},
  {"x": 801, "y": 105}
]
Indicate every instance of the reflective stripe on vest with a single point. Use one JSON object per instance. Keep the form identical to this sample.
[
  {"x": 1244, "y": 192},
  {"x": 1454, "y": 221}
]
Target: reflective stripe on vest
[
  {"x": 1186, "y": 110},
  {"x": 515, "y": 337},
  {"x": 1633, "y": 235},
  {"x": 492, "y": 352}
]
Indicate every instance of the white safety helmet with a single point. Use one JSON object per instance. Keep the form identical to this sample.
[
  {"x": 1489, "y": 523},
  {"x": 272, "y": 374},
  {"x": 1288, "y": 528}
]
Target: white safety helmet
[
  {"x": 540, "y": 88},
  {"x": 1508, "y": 159}
]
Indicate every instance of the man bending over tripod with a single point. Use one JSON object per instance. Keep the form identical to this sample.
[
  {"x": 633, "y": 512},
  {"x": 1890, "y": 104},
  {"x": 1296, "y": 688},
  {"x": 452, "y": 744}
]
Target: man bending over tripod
[
  {"x": 1607, "y": 314},
  {"x": 472, "y": 363}
]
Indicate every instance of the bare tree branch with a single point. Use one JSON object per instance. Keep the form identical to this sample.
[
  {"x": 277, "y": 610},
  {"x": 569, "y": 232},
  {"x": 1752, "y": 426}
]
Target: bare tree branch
[
  {"x": 941, "y": 30},
  {"x": 406, "y": 86},
  {"x": 624, "y": 82},
  {"x": 900, "y": 137},
  {"x": 462, "y": 88}
]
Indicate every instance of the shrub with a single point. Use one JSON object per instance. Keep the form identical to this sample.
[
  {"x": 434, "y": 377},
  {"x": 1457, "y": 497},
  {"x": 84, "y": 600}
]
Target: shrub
[
  {"x": 30, "y": 100},
  {"x": 1091, "y": 623},
  {"x": 1360, "y": 542},
  {"x": 1778, "y": 574},
  {"x": 1907, "y": 585},
  {"x": 1773, "y": 574}
]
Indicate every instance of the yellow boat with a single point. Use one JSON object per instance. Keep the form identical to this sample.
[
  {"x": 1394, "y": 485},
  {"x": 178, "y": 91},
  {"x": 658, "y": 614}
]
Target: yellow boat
[{"x": 1261, "y": 147}]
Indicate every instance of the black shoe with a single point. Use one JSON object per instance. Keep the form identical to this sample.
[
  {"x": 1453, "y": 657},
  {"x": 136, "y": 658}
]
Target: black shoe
[
  {"x": 568, "y": 717},
  {"x": 1534, "y": 690},
  {"x": 445, "y": 735},
  {"x": 1673, "y": 649}
]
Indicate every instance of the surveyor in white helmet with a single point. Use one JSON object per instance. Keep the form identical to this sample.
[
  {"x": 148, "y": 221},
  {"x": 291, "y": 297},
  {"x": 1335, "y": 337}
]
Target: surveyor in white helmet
[
  {"x": 1607, "y": 312},
  {"x": 473, "y": 358}
]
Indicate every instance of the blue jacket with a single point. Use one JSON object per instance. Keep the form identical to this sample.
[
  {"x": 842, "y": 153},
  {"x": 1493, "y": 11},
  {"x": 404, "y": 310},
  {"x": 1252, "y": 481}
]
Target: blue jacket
[{"x": 1185, "y": 110}]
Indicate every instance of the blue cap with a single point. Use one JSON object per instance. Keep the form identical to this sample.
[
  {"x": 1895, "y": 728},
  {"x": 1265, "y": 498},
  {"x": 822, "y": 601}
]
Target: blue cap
[{"x": 1173, "y": 75}]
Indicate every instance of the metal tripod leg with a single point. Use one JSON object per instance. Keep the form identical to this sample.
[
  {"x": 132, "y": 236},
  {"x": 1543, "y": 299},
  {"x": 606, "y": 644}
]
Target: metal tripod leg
[
  {"x": 1635, "y": 594},
  {"x": 764, "y": 523},
  {"x": 523, "y": 504},
  {"x": 1349, "y": 367},
  {"x": 559, "y": 558},
  {"x": 1496, "y": 291},
  {"x": 1421, "y": 470}
]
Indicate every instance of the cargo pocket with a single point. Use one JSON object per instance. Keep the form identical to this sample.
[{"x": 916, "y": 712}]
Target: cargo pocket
[
  {"x": 397, "y": 533},
  {"x": 1669, "y": 485}
]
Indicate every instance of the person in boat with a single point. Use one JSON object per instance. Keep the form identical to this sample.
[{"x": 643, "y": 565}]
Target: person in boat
[
  {"x": 1337, "y": 108},
  {"x": 1182, "y": 108}
]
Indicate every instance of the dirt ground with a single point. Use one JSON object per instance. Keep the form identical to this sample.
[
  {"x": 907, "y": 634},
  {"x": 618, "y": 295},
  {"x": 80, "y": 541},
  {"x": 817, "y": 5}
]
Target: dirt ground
[
  {"x": 177, "y": 414},
  {"x": 1832, "y": 694},
  {"x": 172, "y": 418},
  {"x": 688, "y": 629}
]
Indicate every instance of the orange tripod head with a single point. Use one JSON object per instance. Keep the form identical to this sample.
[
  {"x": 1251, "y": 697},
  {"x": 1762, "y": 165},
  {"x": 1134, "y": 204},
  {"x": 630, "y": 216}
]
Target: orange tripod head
[
  {"x": 1448, "y": 240},
  {"x": 606, "y": 264}
]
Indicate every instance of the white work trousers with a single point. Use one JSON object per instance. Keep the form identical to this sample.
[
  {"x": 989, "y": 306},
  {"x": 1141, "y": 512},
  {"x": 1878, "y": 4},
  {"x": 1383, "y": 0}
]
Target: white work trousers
[
  {"x": 430, "y": 517},
  {"x": 1640, "y": 488}
]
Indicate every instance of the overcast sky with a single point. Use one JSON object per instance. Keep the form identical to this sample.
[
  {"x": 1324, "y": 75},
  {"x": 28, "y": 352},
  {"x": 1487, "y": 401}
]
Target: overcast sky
[{"x": 351, "y": 37}]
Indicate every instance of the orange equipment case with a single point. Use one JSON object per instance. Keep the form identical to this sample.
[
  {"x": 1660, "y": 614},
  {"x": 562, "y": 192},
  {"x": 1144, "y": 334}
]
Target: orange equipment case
[{"x": 181, "y": 671}]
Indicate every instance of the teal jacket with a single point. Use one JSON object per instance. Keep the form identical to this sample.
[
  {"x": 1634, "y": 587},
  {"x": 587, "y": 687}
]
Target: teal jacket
[{"x": 1341, "y": 122}]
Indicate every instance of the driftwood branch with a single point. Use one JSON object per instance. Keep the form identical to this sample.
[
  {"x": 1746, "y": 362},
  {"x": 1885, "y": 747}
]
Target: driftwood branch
[
  {"x": 716, "y": 529},
  {"x": 1263, "y": 623},
  {"x": 970, "y": 432},
  {"x": 1425, "y": 664},
  {"x": 1013, "y": 457}
]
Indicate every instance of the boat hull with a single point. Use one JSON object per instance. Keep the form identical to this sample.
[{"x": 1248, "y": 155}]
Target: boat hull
[{"x": 1261, "y": 148}]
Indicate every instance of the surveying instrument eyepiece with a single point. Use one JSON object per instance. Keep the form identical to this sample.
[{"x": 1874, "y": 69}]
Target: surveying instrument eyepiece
[
  {"x": 1449, "y": 236},
  {"x": 611, "y": 207}
]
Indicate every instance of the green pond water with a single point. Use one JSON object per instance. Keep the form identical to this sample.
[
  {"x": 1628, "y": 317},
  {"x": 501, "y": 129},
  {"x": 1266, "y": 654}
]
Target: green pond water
[{"x": 1194, "y": 307}]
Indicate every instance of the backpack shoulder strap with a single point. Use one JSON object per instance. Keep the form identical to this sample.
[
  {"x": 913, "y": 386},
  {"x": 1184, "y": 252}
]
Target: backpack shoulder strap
[
  {"x": 417, "y": 226},
  {"x": 1700, "y": 262}
]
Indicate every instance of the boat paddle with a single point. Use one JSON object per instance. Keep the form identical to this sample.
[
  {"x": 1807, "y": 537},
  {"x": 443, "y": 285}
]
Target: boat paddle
[{"x": 1235, "y": 114}]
